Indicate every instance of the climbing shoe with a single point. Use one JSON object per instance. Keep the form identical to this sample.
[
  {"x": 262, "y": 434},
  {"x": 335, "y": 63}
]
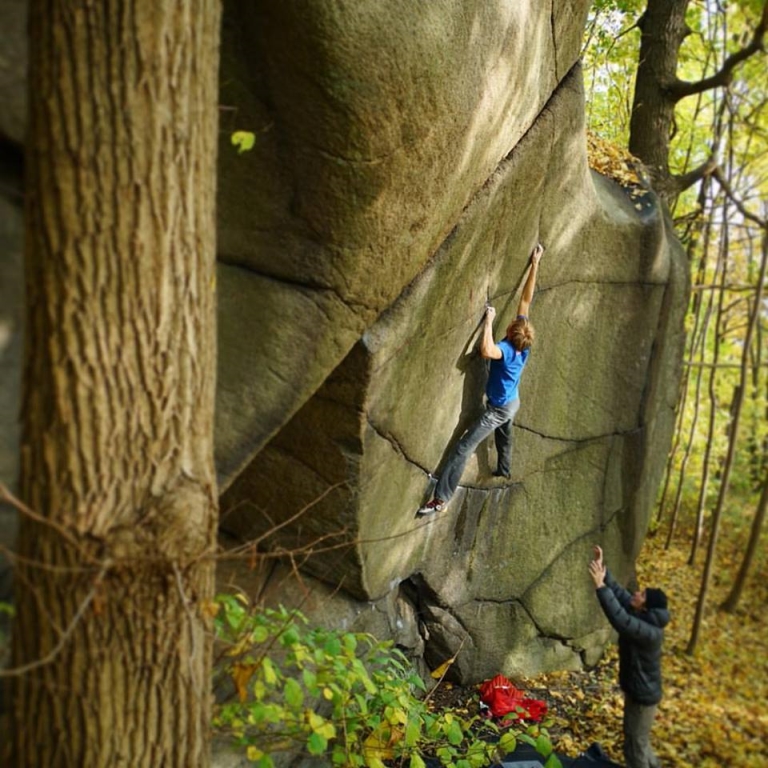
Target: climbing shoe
[
  {"x": 499, "y": 473},
  {"x": 431, "y": 507}
]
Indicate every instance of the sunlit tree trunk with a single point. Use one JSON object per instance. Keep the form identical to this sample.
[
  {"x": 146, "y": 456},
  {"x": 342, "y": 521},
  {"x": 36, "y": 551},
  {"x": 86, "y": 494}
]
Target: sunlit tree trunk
[
  {"x": 111, "y": 640},
  {"x": 686, "y": 456},
  {"x": 731, "y": 451},
  {"x": 757, "y": 445},
  {"x": 669, "y": 469},
  {"x": 720, "y": 270},
  {"x": 732, "y": 601},
  {"x": 697, "y": 340}
]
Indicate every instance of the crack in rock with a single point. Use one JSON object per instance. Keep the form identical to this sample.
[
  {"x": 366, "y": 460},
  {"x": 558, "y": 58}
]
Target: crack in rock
[{"x": 576, "y": 442}]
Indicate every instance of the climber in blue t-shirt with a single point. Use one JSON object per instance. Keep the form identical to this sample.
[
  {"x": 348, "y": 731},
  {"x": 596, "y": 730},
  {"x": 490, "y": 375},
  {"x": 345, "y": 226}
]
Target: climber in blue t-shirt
[{"x": 508, "y": 359}]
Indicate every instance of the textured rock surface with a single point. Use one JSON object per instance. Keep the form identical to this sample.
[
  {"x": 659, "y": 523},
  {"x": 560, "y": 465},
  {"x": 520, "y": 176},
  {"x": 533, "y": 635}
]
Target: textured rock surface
[
  {"x": 376, "y": 124},
  {"x": 501, "y": 573},
  {"x": 407, "y": 158}
]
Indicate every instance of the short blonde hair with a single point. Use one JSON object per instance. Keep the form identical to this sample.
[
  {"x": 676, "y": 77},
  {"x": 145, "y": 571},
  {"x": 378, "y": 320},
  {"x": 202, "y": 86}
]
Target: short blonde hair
[{"x": 521, "y": 334}]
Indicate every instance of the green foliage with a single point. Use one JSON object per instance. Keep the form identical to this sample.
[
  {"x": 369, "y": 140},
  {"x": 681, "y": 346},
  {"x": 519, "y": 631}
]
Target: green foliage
[
  {"x": 243, "y": 140},
  {"x": 611, "y": 48},
  {"x": 339, "y": 694},
  {"x": 610, "y": 55},
  {"x": 731, "y": 123}
]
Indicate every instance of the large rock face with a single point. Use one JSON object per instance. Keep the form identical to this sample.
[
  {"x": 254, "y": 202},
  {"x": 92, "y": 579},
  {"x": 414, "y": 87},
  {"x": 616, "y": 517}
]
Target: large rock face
[
  {"x": 414, "y": 211},
  {"x": 408, "y": 157},
  {"x": 377, "y": 123}
]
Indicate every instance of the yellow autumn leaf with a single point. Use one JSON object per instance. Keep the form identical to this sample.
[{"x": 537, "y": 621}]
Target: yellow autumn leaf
[
  {"x": 376, "y": 748},
  {"x": 241, "y": 675},
  {"x": 254, "y": 753},
  {"x": 209, "y": 608},
  {"x": 442, "y": 669}
]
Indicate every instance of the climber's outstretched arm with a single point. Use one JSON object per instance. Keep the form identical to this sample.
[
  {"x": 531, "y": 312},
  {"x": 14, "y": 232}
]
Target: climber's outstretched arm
[
  {"x": 488, "y": 348},
  {"x": 530, "y": 283}
]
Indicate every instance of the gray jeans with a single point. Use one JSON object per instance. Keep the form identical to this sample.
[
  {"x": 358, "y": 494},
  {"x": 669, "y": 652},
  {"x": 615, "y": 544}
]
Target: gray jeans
[
  {"x": 496, "y": 419},
  {"x": 638, "y": 720}
]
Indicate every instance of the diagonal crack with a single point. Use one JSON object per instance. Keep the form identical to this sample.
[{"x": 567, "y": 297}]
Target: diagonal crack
[
  {"x": 553, "y": 29},
  {"x": 574, "y": 443}
]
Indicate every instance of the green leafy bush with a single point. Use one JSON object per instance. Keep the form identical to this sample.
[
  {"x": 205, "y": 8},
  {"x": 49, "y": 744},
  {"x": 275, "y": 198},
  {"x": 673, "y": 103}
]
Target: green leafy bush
[{"x": 338, "y": 694}]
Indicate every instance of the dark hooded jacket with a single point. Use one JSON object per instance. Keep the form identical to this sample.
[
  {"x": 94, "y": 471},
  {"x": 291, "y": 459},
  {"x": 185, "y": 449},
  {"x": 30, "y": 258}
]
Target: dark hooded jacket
[{"x": 641, "y": 634}]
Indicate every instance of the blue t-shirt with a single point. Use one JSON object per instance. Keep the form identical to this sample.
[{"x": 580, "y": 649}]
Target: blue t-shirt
[{"x": 504, "y": 375}]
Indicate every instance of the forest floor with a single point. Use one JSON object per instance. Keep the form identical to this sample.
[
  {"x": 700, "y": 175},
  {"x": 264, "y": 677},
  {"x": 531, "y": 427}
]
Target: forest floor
[{"x": 715, "y": 706}]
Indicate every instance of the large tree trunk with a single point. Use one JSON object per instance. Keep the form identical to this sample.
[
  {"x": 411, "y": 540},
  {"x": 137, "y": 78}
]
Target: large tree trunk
[
  {"x": 663, "y": 30},
  {"x": 658, "y": 89},
  {"x": 116, "y": 549}
]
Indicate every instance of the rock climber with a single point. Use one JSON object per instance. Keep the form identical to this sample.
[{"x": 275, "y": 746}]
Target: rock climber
[
  {"x": 639, "y": 619},
  {"x": 508, "y": 358}
]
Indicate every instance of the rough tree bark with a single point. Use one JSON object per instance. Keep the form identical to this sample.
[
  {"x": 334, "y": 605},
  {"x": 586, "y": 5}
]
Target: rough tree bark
[
  {"x": 658, "y": 89},
  {"x": 662, "y": 31},
  {"x": 111, "y": 641}
]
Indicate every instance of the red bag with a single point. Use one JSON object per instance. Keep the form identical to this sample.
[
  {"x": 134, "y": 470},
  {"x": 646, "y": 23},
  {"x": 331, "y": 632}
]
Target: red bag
[{"x": 502, "y": 698}]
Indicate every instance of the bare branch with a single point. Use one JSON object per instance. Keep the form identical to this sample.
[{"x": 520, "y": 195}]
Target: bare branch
[
  {"x": 68, "y": 569},
  {"x": 48, "y": 658},
  {"x": 730, "y": 287},
  {"x": 726, "y": 187},
  {"x": 679, "y": 89},
  {"x": 678, "y": 184},
  {"x": 7, "y": 496},
  {"x": 295, "y": 516},
  {"x": 717, "y": 365},
  {"x": 448, "y": 665}
]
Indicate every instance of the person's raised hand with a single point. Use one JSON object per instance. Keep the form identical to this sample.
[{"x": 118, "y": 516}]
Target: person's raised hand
[
  {"x": 598, "y": 553},
  {"x": 490, "y": 313},
  {"x": 597, "y": 572}
]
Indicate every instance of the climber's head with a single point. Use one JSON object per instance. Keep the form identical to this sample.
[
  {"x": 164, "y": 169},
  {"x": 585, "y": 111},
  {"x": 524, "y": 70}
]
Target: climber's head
[{"x": 520, "y": 334}]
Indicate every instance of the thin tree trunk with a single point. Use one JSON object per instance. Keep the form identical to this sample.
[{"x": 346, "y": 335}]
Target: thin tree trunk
[
  {"x": 732, "y": 601},
  {"x": 731, "y": 452},
  {"x": 697, "y": 337},
  {"x": 111, "y": 641},
  {"x": 681, "y": 400},
  {"x": 756, "y": 446},
  {"x": 694, "y": 121},
  {"x": 707, "y": 460},
  {"x": 686, "y": 455}
]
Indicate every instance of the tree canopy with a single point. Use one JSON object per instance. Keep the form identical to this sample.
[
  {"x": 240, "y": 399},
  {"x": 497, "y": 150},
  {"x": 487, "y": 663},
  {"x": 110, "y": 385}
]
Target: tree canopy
[{"x": 682, "y": 85}]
